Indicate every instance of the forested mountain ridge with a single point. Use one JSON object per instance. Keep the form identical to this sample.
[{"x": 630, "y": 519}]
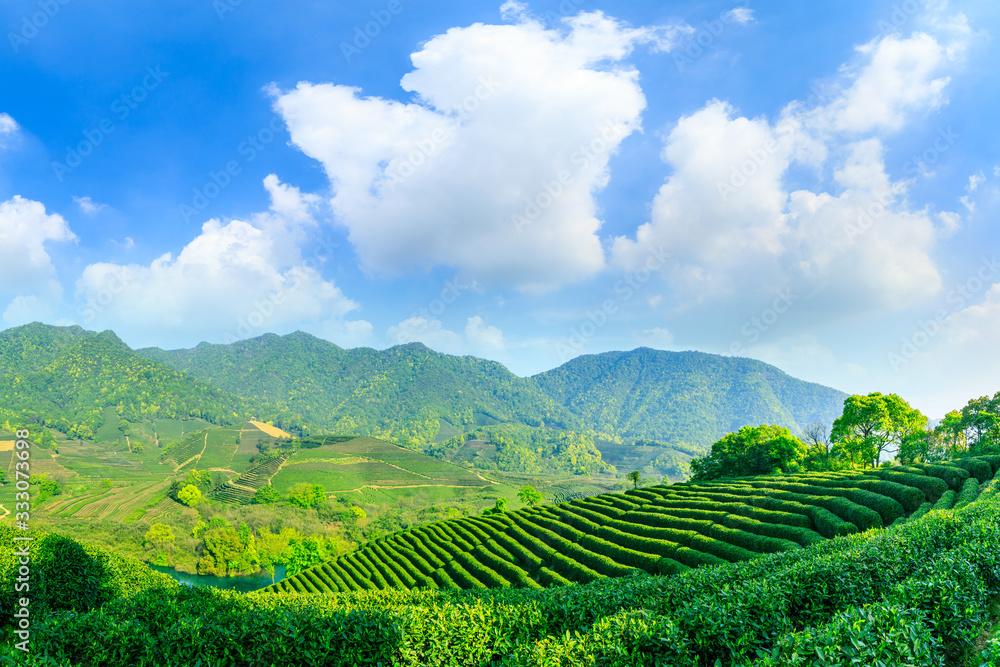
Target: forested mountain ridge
[
  {"x": 684, "y": 398},
  {"x": 414, "y": 395},
  {"x": 65, "y": 377},
  {"x": 409, "y": 393}
]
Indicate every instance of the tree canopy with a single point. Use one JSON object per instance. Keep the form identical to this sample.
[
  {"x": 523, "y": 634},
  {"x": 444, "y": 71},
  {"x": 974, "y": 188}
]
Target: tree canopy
[
  {"x": 753, "y": 450},
  {"x": 873, "y": 425}
]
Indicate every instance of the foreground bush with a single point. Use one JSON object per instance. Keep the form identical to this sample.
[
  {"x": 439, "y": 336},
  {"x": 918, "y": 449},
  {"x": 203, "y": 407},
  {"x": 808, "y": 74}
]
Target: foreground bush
[{"x": 912, "y": 594}]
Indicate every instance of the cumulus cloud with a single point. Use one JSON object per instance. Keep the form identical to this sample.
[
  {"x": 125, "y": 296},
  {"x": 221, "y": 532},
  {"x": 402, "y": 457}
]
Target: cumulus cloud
[
  {"x": 236, "y": 279},
  {"x": 493, "y": 166},
  {"x": 26, "y": 268},
  {"x": 729, "y": 218}
]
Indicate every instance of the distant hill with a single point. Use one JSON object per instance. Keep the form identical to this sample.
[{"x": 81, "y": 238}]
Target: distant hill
[
  {"x": 65, "y": 377},
  {"x": 413, "y": 395},
  {"x": 687, "y": 399},
  {"x": 407, "y": 394}
]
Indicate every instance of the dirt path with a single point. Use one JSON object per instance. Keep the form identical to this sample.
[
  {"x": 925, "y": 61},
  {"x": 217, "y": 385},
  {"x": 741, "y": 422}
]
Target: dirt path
[
  {"x": 196, "y": 456},
  {"x": 5, "y": 512},
  {"x": 127, "y": 442},
  {"x": 487, "y": 480},
  {"x": 407, "y": 486}
]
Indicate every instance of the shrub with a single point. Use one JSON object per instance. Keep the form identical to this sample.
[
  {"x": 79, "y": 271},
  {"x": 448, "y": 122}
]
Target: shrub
[
  {"x": 693, "y": 558},
  {"x": 946, "y": 501},
  {"x": 771, "y": 516},
  {"x": 652, "y": 520},
  {"x": 860, "y": 516},
  {"x": 598, "y": 508},
  {"x": 573, "y": 570},
  {"x": 970, "y": 491},
  {"x": 922, "y": 510},
  {"x": 802, "y": 536},
  {"x": 977, "y": 467},
  {"x": 751, "y": 541},
  {"x": 953, "y": 476},
  {"x": 931, "y": 486},
  {"x": 547, "y": 577},
  {"x": 724, "y": 550}
]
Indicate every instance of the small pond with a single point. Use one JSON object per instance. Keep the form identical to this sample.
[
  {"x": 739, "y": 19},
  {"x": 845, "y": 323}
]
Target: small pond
[{"x": 241, "y": 584}]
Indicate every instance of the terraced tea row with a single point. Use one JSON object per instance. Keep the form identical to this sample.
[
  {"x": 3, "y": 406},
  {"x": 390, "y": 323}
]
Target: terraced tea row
[
  {"x": 659, "y": 530},
  {"x": 242, "y": 489}
]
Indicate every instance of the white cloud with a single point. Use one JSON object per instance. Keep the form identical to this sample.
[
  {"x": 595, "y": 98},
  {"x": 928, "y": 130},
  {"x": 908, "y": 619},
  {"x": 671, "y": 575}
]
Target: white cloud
[
  {"x": 739, "y": 15},
  {"x": 897, "y": 78},
  {"x": 733, "y": 225},
  {"x": 25, "y": 266},
  {"x": 234, "y": 280},
  {"x": 499, "y": 113},
  {"x": 26, "y": 309},
  {"x": 479, "y": 338},
  {"x": 483, "y": 337},
  {"x": 89, "y": 206},
  {"x": 975, "y": 181},
  {"x": 658, "y": 336},
  {"x": 8, "y": 128}
]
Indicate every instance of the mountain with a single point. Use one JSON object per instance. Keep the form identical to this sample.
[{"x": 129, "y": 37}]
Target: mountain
[
  {"x": 413, "y": 395},
  {"x": 684, "y": 398},
  {"x": 65, "y": 377},
  {"x": 408, "y": 394}
]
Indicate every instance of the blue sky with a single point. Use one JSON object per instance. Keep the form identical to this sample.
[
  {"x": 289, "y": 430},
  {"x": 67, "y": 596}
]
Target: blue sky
[{"x": 813, "y": 186}]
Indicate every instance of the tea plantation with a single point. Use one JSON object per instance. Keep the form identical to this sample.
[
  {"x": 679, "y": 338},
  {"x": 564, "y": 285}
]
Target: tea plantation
[
  {"x": 755, "y": 580},
  {"x": 657, "y": 530}
]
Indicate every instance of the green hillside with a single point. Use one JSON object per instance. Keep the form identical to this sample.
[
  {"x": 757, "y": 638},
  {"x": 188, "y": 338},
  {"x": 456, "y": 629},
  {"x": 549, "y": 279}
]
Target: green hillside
[
  {"x": 408, "y": 394},
  {"x": 922, "y": 592},
  {"x": 686, "y": 399},
  {"x": 657, "y": 530},
  {"x": 414, "y": 396},
  {"x": 65, "y": 378}
]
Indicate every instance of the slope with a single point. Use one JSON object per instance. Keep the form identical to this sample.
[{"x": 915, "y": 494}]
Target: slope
[
  {"x": 408, "y": 394},
  {"x": 65, "y": 377},
  {"x": 684, "y": 398}
]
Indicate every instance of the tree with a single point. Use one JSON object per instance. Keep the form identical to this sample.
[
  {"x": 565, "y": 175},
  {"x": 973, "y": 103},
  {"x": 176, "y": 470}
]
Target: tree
[
  {"x": 820, "y": 453},
  {"x": 266, "y": 495},
  {"x": 159, "y": 535},
  {"x": 306, "y": 495},
  {"x": 635, "y": 477},
  {"x": 753, "y": 450},
  {"x": 357, "y": 513},
  {"x": 189, "y": 495},
  {"x": 499, "y": 508},
  {"x": 529, "y": 496},
  {"x": 874, "y": 424}
]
